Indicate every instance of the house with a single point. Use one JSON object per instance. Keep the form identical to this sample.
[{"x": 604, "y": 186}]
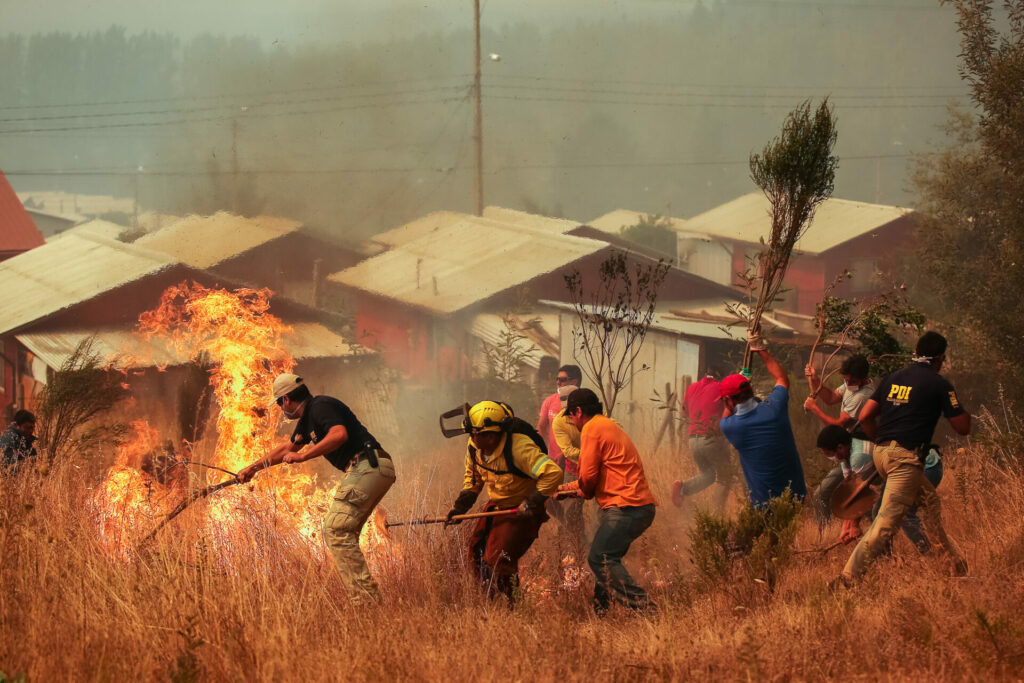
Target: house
[
  {"x": 414, "y": 301},
  {"x": 864, "y": 238},
  {"x": 684, "y": 341},
  {"x": 17, "y": 231},
  {"x": 84, "y": 286},
  {"x": 263, "y": 251}
]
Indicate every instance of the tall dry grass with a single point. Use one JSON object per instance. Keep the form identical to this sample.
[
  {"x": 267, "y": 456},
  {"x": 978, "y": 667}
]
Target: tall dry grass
[{"x": 248, "y": 601}]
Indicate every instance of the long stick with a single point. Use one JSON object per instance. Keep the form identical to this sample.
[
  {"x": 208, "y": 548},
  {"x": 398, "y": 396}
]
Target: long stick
[
  {"x": 438, "y": 520},
  {"x": 180, "y": 507}
]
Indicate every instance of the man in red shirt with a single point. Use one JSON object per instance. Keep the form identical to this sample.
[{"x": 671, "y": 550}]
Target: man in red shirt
[
  {"x": 702, "y": 409},
  {"x": 610, "y": 472},
  {"x": 567, "y": 379}
]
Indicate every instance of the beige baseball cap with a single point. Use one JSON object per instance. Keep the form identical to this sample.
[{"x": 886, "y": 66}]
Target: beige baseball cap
[{"x": 285, "y": 384}]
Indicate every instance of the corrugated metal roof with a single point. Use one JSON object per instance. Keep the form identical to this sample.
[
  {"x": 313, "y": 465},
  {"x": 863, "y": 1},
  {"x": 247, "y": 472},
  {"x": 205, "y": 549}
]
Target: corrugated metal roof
[
  {"x": 68, "y": 271},
  {"x": 205, "y": 241},
  {"x": 748, "y": 219},
  {"x": 128, "y": 349},
  {"x": 17, "y": 231},
  {"x": 541, "y": 332},
  {"x": 615, "y": 221},
  {"x": 106, "y": 229},
  {"x": 711, "y": 320},
  {"x": 530, "y": 220},
  {"x": 455, "y": 260}
]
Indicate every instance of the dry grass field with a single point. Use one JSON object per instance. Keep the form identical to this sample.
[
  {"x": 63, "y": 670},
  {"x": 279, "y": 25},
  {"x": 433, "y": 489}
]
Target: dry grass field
[{"x": 247, "y": 600}]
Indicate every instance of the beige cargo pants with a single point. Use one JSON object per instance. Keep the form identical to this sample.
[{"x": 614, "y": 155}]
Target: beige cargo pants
[
  {"x": 905, "y": 486},
  {"x": 354, "y": 500}
]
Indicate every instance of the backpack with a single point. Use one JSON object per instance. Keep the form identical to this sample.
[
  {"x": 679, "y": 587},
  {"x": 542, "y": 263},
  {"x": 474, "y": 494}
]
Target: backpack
[{"x": 516, "y": 425}]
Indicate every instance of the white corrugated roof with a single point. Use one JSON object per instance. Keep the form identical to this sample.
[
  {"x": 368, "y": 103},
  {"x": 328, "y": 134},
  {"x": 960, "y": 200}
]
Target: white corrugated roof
[
  {"x": 615, "y": 221},
  {"x": 128, "y": 349},
  {"x": 447, "y": 261},
  {"x": 106, "y": 229},
  {"x": 68, "y": 271},
  {"x": 530, "y": 220},
  {"x": 748, "y": 219},
  {"x": 205, "y": 241}
]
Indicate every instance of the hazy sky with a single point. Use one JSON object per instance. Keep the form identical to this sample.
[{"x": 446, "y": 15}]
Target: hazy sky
[
  {"x": 290, "y": 21},
  {"x": 596, "y": 104}
]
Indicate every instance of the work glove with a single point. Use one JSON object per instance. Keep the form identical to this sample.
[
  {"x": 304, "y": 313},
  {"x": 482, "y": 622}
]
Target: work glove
[
  {"x": 755, "y": 341},
  {"x": 462, "y": 505},
  {"x": 570, "y": 490},
  {"x": 533, "y": 506}
]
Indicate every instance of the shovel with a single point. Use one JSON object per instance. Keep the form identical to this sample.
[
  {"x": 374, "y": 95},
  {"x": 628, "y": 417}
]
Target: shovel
[
  {"x": 180, "y": 507},
  {"x": 854, "y": 497},
  {"x": 439, "y": 520}
]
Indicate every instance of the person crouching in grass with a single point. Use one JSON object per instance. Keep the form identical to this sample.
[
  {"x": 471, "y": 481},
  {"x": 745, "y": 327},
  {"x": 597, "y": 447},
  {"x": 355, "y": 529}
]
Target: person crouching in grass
[{"x": 611, "y": 472}]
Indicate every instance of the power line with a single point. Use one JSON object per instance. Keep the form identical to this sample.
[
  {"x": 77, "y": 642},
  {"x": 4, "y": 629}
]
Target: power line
[
  {"x": 664, "y": 93},
  {"x": 260, "y": 93},
  {"x": 421, "y": 169},
  {"x": 725, "y": 105},
  {"x": 170, "y": 122},
  {"x": 271, "y": 103},
  {"x": 741, "y": 86}
]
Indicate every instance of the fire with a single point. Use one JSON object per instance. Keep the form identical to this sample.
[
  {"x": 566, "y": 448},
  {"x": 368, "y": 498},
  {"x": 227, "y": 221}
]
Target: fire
[
  {"x": 130, "y": 498},
  {"x": 235, "y": 332},
  {"x": 235, "y": 335}
]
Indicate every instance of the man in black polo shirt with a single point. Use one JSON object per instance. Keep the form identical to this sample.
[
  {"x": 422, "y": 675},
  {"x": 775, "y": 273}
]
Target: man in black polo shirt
[
  {"x": 337, "y": 435},
  {"x": 900, "y": 418}
]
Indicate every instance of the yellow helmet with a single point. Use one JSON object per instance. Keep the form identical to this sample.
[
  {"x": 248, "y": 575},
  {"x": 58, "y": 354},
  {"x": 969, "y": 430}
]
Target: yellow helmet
[{"x": 488, "y": 416}]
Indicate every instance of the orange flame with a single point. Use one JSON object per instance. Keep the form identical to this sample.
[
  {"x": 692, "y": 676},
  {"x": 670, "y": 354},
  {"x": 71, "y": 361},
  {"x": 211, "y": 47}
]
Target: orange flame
[
  {"x": 129, "y": 499},
  {"x": 234, "y": 334}
]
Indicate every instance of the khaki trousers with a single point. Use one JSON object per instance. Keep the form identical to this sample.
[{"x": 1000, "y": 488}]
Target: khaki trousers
[
  {"x": 905, "y": 487},
  {"x": 354, "y": 500}
]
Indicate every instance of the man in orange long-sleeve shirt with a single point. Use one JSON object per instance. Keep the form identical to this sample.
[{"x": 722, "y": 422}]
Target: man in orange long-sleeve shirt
[{"x": 611, "y": 472}]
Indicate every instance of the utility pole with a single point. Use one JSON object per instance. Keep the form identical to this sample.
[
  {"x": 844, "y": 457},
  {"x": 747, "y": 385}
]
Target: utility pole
[
  {"x": 478, "y": 133},
  {"x": 234, "y": 165}
]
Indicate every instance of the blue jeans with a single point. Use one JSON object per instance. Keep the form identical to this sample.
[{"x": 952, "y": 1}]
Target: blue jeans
[{"x": 618, "y": 528}]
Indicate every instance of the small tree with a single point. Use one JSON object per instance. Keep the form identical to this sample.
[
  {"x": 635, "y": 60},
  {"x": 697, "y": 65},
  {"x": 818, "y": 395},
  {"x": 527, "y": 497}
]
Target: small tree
[
  {"x": 970, "y": 236},
  {"x": 653, "y": 231},
  {"x": 796, "y": 171},
  {"x": 505, "y": 358},
  {"x": 80, "y": 391},
  {"x": 876, "y": 327},
  {"x": 614, "y": 318}
]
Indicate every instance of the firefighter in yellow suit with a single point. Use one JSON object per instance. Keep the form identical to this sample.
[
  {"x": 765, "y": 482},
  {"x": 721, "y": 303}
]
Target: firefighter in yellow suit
[{"x": 518, "y": 475}]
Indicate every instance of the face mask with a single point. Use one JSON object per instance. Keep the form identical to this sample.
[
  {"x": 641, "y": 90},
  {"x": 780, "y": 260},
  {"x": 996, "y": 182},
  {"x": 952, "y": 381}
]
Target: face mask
[
  {"x": 746, "y": 406},
  {"x": 290, "y": 414}
]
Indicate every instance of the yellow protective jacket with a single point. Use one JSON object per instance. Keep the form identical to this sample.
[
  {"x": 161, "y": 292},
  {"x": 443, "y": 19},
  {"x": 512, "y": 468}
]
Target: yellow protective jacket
[
  {"x": 567, "y": 437},
  {"x": 505, "y": 489}
]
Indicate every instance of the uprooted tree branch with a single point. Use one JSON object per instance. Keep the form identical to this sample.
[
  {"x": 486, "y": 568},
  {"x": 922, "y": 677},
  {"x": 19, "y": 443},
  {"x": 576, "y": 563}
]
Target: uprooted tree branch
[
  {"x": 614, "y": 317},
  {"x": 796, "y": 171}
]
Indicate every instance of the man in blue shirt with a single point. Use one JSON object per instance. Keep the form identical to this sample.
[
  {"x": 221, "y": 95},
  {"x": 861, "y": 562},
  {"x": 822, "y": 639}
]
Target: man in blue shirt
[{"x": 761, "y": 432}]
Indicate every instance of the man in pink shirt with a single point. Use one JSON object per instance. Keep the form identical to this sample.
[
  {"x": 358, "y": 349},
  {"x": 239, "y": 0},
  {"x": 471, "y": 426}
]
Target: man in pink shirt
[
  {"x": 567, "y": 379},
  {"x": 702, "y": 410}
]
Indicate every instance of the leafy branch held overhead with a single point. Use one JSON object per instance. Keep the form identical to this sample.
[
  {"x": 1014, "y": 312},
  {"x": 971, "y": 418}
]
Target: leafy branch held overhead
[{"x": 796, "y": 171}]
